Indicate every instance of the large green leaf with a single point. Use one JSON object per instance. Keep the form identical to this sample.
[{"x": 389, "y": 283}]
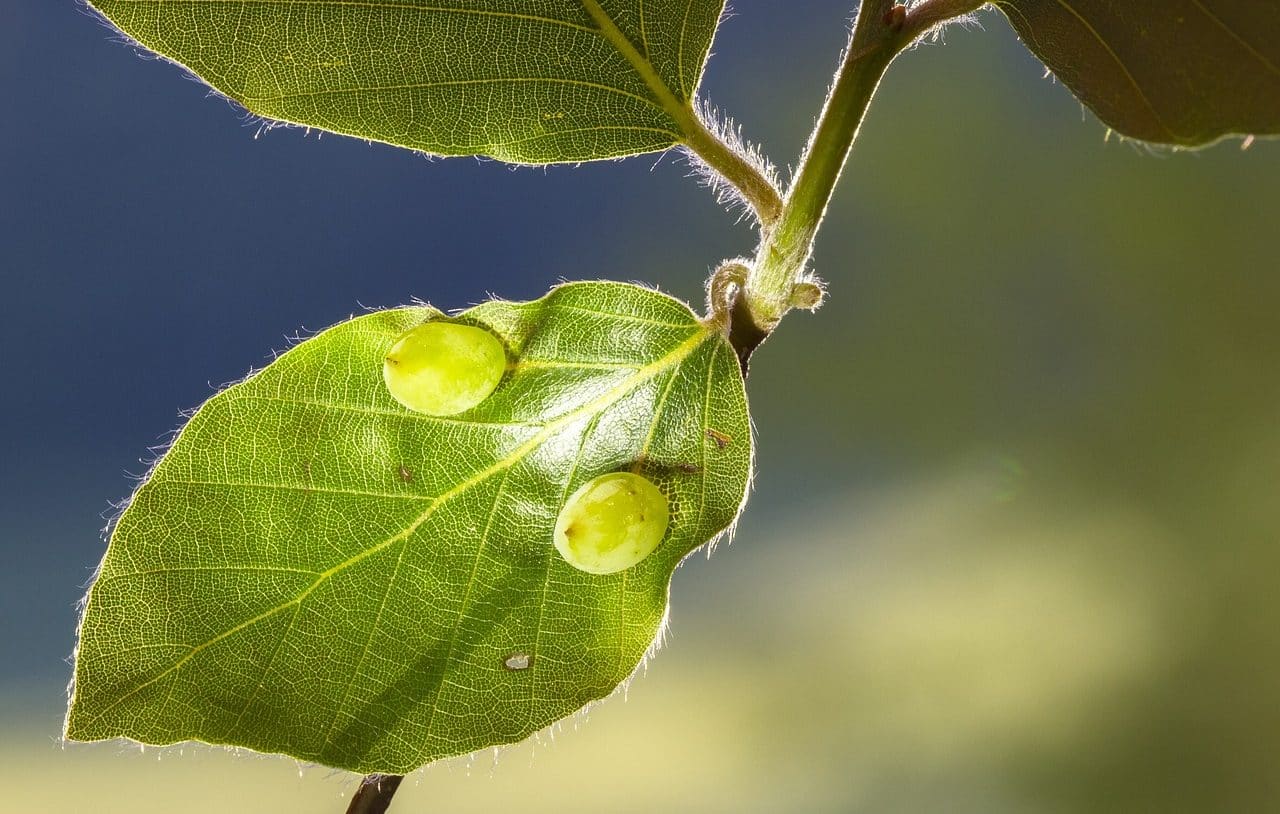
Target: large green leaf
[
  {"x": 537, "y": 81},
  {"x": 1184, "y": 72},
  {"x": 314, "y": 570}
]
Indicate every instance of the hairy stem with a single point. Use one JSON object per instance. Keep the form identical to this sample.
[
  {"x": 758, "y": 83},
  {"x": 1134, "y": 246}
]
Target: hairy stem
[
  {"x": 375, "y": 793},
  {"x": 756, "y": 189},
  {"x": 882, "y": 31}
]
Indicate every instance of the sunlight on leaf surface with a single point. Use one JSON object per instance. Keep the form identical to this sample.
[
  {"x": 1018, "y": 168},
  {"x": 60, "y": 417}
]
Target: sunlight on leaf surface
[
  {"x": 533, "y": 82},
  {"x": 315, "y": 570}
]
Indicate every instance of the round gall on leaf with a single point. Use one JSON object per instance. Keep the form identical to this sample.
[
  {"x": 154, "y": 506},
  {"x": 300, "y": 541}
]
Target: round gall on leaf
[
  {"x": 442, "y": 368},
  {"x": 611, "y": 523}
]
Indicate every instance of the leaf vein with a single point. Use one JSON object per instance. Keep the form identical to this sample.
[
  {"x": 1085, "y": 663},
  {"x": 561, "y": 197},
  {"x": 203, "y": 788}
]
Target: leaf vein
[
  {"x": 200, "y": 568},
  {"x": 357, "y": 4},
  {"x": 496, "y": 80},
  {"x": 1121, "y": 64},
  {"x": 400, "y": 413},
  {"x": 547, "y": 561},
  {"x": 1271, "y": 66},
  {"x": 262, "y": 679},
  {"x": 292, "y": 487},
  {"x": 364, "y": 650},
  {"x": 563, "y": 306},
  {"x": 466, "y": 603},
  {"x": 671, "y": 134}
]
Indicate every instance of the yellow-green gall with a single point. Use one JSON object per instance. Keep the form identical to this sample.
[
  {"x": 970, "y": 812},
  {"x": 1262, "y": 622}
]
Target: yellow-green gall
[
  {"x": 443, "y": 368},
  {"x": 611, "y": 523}
]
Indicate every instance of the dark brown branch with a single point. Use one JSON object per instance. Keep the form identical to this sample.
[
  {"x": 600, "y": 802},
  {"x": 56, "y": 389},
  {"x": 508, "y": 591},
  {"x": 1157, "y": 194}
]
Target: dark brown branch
[{"x": 375, "y": 793}]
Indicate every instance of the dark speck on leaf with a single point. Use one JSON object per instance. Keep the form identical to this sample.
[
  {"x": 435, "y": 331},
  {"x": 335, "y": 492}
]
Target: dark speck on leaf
[{"x": 722, "y": 440}]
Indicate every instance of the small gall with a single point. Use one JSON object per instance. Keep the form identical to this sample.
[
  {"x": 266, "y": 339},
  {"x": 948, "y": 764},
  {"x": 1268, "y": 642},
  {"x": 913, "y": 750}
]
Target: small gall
[
  {"x": 612, "y": 523},
  {"x": 442, "y": 368}
]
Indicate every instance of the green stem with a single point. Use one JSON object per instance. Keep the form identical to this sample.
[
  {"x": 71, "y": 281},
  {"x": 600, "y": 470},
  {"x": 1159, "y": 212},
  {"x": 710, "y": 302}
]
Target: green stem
[{"x": 882, "y": 31}]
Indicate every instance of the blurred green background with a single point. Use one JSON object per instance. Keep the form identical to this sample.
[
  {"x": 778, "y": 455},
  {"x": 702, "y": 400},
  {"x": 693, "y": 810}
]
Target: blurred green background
[{"x": 1013, "y": 543}]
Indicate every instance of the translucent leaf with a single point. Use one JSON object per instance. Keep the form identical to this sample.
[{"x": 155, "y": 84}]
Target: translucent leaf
[
  {"x": 535, "y": 82},
  {"x": 315, "y": 570},
  {"x": 1183, "y": 72}
]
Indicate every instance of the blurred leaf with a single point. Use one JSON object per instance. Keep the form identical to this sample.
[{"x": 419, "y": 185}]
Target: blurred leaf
[
  {"x": 541, "y": 82},
  {"x": 314, "y": 570},
  {"x": 1184, "y": 72}
]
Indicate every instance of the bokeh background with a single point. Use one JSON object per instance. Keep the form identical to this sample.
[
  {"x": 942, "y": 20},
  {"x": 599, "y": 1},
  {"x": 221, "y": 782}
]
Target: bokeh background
[{"x": 1013, "y": 544}]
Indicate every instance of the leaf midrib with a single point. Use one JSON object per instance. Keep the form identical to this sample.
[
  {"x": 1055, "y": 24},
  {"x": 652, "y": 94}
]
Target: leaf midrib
[{"x": 680, "y": 111}]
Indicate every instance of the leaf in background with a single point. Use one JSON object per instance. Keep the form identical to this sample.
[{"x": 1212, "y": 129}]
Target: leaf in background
[
  {"x": 1183, "y": 72},
  {"x": 314, "y": 570},
  {"x": 534, "y": 82}
]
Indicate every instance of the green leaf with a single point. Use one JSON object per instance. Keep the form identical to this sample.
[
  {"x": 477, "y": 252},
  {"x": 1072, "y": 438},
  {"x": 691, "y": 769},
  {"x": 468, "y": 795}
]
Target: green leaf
[
  {"x": 314, "y": 570},
  {"x": 534, "y": 82},
  {"x": 1182, "y": 72}
]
